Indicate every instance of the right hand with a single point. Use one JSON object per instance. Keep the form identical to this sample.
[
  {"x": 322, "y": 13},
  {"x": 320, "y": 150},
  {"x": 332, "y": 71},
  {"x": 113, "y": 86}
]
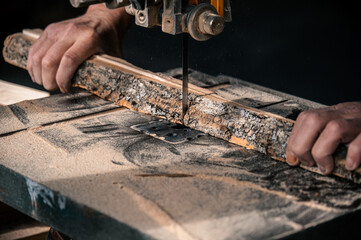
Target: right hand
[
  {"x": 63, "y": 46},
  {"x": 317, "y": 134}
]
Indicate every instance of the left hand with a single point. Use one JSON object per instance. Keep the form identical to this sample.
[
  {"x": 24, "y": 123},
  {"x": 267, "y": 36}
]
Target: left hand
[
  {"x": 63, "y": 46},
  {"x": 317, "y": 133}
]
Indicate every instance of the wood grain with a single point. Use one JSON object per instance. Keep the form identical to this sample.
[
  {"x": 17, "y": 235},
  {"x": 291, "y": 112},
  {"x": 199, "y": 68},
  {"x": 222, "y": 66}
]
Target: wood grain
[
  {"x": 11, "y": 93},
  {"x": 160, "y": 95},
  {"x": 95, "y": 177}
]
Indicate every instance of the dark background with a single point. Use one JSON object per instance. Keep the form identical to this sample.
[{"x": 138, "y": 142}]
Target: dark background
[{"x": 309, "y": 49}]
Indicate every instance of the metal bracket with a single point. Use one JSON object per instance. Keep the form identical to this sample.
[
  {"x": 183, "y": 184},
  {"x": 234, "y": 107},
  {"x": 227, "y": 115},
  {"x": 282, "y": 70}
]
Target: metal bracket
[{"x": 168, "y": 132}]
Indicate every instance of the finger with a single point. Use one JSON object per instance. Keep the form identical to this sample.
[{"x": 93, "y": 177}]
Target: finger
[
  {"x": 290, "y": 157},
  {"x": 50, "y": 63},
  {"x": 37, "y": 45},
  {"x": 353, "y": 158},
  {"x": 72, "y": 58},
  {"x": 335, "y": 132},
  {"x": 308, "y": 129},
  {"x": 36, "y": 60}
]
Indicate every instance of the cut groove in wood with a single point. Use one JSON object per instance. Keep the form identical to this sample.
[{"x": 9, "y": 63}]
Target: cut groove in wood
[{"x": 160, "y": 95}]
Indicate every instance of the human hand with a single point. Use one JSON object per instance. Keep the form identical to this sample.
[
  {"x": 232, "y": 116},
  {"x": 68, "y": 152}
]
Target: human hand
[
  {"x": 317, "y": 133},
  {"x": 63, "y": 46}
]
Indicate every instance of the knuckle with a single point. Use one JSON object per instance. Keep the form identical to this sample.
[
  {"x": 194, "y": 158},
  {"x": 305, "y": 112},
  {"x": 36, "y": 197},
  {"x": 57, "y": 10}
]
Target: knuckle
[
  {"x": 47, "y": 62},
  {"x": 312, "y": 118},
  {"x": 50, "y": 31},
  {"x": 51, "y": 27},
  {"x": 90, "y": 39},
  {"x": 36, "y": 58},
  {"x": 302, "y": 116},
  {"x": 70, "y": 58},
  {"x": 71, "y": 28},
  {"x": 336, "y": 127},
  {"x": 318, "y": 154},
  {"x": 92, "y": 35}
]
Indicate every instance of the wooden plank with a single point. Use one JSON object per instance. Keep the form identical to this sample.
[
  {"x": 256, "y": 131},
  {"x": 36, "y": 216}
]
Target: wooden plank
[
  {"x": 94, "y": 177},
  {"x": 249, "y": 94},
  {"x": 17, "y": 117},
  {"x": 267, "y": 99},
  {"x": 34, "y": 231},
  {"x": 198, "y": 78},
  {"x": 160, "y": 95},
  {"x": 11, "y": 93}
]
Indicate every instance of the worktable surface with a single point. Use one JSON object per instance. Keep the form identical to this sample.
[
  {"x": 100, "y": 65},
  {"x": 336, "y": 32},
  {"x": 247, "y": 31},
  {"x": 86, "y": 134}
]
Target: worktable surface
[{"x": 74, "y": 162}]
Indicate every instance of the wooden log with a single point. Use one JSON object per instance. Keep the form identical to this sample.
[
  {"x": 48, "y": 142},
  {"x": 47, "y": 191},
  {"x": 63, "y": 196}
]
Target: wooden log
[{"x": 160, "y": 95}]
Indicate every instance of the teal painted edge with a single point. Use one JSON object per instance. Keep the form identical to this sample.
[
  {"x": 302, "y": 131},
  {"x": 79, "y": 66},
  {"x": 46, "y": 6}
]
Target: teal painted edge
[{"x": 63, "y": 214}]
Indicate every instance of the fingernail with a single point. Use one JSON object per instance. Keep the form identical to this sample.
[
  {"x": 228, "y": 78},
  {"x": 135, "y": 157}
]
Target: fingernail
[
  {"x": 291, "y": 159},
  {"x": 350, "y": 164},
  {"x": 322, "y": 168}
]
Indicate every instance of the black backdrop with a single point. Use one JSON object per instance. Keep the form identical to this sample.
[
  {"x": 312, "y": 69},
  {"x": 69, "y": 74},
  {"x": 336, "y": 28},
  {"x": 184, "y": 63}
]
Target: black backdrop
[{"x": 306, "y": 48}]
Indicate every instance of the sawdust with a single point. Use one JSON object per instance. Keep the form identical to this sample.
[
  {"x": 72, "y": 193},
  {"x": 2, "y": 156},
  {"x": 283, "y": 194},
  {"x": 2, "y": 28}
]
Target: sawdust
[{"x": 134, "y": 88}]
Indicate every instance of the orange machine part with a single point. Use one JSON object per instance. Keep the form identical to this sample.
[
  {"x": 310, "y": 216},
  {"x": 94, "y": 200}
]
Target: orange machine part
[
  {"x": 217, "y": 4},
  {"x": 193, "y": 2}
]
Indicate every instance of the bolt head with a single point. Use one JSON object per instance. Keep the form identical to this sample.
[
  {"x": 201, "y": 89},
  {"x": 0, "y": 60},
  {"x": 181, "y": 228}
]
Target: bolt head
[{"x": 213, "y": 24}]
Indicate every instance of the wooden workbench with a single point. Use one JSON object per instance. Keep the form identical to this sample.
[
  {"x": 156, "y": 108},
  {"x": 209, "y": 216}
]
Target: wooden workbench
[{"x": 77, "y": 163}]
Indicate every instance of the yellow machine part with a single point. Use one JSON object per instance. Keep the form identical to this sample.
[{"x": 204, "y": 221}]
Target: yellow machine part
[{"x": 217, "y": 4}]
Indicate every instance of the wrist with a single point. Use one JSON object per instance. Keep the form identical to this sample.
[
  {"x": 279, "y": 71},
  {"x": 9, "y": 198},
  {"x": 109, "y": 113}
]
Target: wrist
[
  {"x": 117, "y": 14},
  {"x": 99, "y": 6},
  {"x": 117, "y": 17}
]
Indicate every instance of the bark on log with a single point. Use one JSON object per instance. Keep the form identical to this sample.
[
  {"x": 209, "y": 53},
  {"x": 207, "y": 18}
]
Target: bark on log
[{"x": 160, "y": 95}]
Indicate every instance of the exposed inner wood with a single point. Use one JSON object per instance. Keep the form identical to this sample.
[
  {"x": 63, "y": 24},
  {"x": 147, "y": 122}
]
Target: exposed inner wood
[
  {"x": 11, "y": 93},
  {"x": 160, "y": 95}
]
